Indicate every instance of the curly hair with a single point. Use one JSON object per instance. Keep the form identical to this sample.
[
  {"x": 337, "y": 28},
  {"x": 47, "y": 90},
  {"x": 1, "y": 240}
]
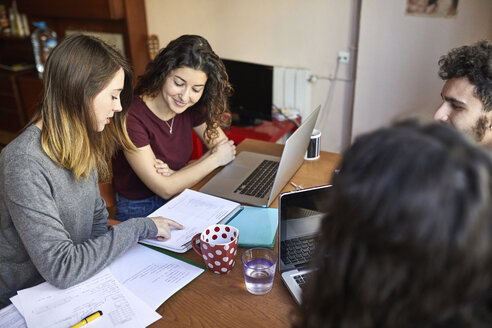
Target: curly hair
[
  {"x": 408, "y": 238},
  {"x": 473, "y": 62},
  {"x": 195, "y": 52}
]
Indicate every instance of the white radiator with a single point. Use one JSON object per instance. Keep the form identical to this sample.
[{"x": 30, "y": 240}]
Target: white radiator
[{"x": 291, "y": 89}]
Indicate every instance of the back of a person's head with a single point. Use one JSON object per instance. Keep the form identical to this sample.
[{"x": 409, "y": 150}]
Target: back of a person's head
[{"x": 408, "y": 241}]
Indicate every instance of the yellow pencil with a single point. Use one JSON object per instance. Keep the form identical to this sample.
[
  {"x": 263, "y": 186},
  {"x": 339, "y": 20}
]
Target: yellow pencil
[{"x": 88, "y": 319}]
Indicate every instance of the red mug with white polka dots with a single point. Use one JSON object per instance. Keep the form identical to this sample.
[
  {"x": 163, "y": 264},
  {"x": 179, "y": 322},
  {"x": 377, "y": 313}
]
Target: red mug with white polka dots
[{"x": 218, "y": 247}]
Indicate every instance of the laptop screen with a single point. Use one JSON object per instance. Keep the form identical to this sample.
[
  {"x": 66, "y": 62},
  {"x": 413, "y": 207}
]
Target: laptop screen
[{"x": 300, "y": 216}]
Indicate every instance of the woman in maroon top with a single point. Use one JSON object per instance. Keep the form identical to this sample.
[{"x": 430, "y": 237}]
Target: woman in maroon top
[{"x": 184, "y": 88}]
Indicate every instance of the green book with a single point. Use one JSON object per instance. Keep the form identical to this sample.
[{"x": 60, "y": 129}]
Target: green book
[
  {"x": 176, "y": 256},
  {"x": 16, "y": 66}
]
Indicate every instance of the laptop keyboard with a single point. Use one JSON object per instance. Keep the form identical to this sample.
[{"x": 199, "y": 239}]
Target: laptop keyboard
[
  {"x": 260, "y": 181},
  {"x": 297, "y": 250},
  {"x": 302, "y": 278}
]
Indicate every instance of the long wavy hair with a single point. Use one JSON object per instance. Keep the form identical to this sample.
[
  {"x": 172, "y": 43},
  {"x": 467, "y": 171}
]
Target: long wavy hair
[
  {"x": 473, "y": 62},
  {"x": 195, "y": 52},
  {"x": 408, "y": 240},
  {"x": 76, "y": 71}
]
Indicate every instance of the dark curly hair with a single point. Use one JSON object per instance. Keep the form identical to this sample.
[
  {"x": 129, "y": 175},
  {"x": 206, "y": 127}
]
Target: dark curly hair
[
  {"x": 192, "y": 51},
  {"x": 473, "y": 62},
  {"x": 408, "y": 241}
]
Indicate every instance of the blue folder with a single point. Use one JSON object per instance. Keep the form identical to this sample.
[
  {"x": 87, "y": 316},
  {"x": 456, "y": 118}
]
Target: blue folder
[{"x": 257, "y": 226}]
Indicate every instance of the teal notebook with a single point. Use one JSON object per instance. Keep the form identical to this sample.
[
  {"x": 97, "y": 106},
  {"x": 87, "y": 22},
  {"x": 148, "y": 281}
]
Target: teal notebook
[{"x": 257, "y": 226}]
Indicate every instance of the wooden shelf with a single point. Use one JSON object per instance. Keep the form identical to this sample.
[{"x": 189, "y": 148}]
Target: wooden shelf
[
  {"x": 21, "y": 91},
  {"x": 14, "y": 37},
  {"x": 92, "y": 9},
  {"x": 125, "y": 17},
  {"x": 12, "y": 117}
]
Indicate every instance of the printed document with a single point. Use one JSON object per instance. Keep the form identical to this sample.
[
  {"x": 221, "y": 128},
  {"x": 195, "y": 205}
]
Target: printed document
[
  {"x": 47, "y": 306},
  {"x": 195, "y": 211},
  {"x": 153, "y": 276},
  {"x": 10, "y": 317}
]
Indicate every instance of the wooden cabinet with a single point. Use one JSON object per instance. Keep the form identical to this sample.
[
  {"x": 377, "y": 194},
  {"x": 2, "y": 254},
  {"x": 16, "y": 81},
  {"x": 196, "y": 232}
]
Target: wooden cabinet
[
  {"x": 11, "y": 109},
  {"x": 125, "y": 17},
  {"x": 20, "y": 91},
  {"x": 30, "y": 91},
  {"x": 96, "y": 9}
]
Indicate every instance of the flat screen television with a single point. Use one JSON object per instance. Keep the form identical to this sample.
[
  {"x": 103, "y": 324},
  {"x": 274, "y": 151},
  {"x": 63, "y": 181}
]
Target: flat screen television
[{"x": 251, "y": 101}]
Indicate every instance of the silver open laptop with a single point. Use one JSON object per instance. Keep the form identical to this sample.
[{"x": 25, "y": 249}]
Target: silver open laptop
[
  {"x": 255, "y": 178},
  {"x": 300, "y": 213}
]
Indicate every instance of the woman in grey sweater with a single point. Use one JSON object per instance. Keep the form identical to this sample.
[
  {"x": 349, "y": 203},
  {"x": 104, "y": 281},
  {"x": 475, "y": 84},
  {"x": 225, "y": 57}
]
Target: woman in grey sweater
[{"x": 53, "y": 221}]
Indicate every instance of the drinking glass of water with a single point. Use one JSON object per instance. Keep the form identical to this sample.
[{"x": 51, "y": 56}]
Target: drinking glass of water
[{"x": 259, "y": 269}]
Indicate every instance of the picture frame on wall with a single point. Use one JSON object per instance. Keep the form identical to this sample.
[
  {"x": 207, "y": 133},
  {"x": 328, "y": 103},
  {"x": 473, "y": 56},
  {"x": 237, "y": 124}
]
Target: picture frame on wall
[{"x": 432, "y": 8}]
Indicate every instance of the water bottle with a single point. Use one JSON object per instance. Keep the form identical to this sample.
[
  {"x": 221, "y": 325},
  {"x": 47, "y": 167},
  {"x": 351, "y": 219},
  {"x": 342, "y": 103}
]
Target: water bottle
[{"x": 43, "y": 41}]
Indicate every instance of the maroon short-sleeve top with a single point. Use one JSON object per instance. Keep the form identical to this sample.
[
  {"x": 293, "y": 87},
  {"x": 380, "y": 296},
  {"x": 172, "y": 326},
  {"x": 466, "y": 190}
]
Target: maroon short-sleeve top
[{"x": 145, "y": 128}]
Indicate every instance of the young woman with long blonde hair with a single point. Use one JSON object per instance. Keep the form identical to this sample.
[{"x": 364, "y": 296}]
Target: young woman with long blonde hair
[{"x": 53, "y": 221}]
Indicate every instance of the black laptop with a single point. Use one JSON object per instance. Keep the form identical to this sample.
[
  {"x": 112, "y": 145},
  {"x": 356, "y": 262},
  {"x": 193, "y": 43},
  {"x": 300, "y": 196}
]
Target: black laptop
[{"x": 300, "y": 216}]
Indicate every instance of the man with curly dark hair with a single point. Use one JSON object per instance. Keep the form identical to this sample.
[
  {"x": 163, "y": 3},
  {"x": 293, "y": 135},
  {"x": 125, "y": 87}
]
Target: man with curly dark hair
[{"x": 467, "y": 92}]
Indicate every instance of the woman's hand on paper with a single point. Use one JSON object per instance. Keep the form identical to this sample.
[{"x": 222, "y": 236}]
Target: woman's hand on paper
[
  {"x": 164, "y": 227},
  {"x": 162, "y": 168},
  {"x": 224, "y": 151}
]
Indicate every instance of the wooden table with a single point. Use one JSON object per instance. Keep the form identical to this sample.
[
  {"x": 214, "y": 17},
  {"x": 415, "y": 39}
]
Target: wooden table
[{"x": 213, "y": 300}]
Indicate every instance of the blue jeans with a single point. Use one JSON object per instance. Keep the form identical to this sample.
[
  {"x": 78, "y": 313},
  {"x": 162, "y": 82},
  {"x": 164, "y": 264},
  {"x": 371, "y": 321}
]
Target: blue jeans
[{"x": 127, "y": 208}]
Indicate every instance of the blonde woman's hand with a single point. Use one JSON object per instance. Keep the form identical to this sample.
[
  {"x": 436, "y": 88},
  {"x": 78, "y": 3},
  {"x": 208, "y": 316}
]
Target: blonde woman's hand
[
  {"x": 224, "y": 151},
  {"x": 162, "y": 168},
  {"x": 164, "y": 227}
]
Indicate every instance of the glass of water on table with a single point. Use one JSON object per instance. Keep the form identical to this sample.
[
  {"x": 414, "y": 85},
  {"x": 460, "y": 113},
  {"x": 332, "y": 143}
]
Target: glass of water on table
[{"x": 259, "y": 269}]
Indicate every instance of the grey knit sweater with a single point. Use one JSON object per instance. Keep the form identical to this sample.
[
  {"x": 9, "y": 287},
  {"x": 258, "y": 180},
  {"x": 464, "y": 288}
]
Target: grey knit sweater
[{"x": 52, "y": 227}]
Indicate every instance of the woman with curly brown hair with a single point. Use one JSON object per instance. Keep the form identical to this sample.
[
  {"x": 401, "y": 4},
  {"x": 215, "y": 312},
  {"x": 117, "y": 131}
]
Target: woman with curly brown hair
[{"x": 184, "y": 88}]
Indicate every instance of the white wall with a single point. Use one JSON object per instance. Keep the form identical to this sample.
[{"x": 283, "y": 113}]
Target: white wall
[
  {"x": 398, "y": 54},
  {"x": 275, "y": 32}
]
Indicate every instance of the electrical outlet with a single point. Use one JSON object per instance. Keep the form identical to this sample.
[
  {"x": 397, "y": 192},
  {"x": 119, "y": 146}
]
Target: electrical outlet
[{"x": 343, "y": 57}]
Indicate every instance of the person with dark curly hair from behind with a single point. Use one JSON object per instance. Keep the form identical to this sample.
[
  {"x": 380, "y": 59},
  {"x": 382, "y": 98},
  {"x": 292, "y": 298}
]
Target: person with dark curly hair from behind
[
  {"x": 408, "y": 238},
  {"x": 184, "y": 89},
  {"x": 467, "y": 92}
]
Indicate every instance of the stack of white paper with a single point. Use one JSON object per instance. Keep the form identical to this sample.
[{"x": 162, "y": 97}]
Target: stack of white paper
[
  {"x": 127, "y": 293},
  {"x": 47, "y": 306},
  {"x": 11, "y": 318},
  {"x": 151, "y": 275}
]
